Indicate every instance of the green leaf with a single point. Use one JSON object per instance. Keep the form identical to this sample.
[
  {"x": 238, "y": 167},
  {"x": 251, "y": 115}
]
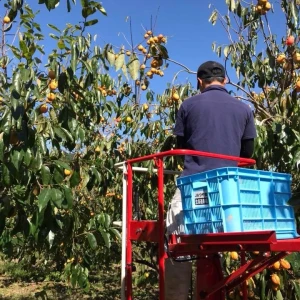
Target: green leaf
[
  {"x": 294, "y": 11},
  {"x": 120, "y": 61},
  {"x": 96, "y": 173},
  {"x": 23, "y": 47},
  {"x": 75, "y": 179},
  {"x": 124, "y": 70},
  {"x": 88, "y": 67},
  {"x": 74, "y": 57},
  {"x": 226, "y": 51},
  {"x": 17, "y": 83},
  {"x": 56, "y": 197},
  {"x": 232, "y": 5},
  {"x": 91, "y": 22},
  {"x": 68, "y": 5},
  {"x": 1, "y": 149},
  {"x": 107, "y": 221},
  {"x": 37, "y": 161},
  {"x": 41, "y": 144},
  {"x": 8, "y": 28},
  {"x": 99, "y": 7},
  {"x": 5, "y": 175},
  {"x": 92, "y": 241},
  {"x": 84, "y": 3},
  {"x": 62, "y": 164},
  {"x": 54, "y": 27},
  {"x": 134, "y": 66},
  {"x": 115, "y": 232},
  {"x": 50, "y": 4},
  {"x": 81, "y": 134},
  {"x": 163, "y": 51},
  {"x": 85, "y": 181},
  {"x": 43, "y": 198},
  {"x": 279, "y": 295},
  {"x": 213, "y": 17},
  {"x": 16, "y": 159},
  {"x": 60, "y": 133},
  {"x": 27, "y": 157},
  {"x": 67, "y": 134},
  {"x": 46, "y": 175},
  {"x": 106, "y": 237},
  {"x": 87, "y": 11},
  {"x": 58, "y": 176},
  {"x": 111, "y": 57},
  {"x": 68, "y": 196}
]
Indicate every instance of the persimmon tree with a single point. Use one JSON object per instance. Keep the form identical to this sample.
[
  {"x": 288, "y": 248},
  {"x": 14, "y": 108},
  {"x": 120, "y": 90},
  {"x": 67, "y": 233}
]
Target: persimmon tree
[
  {"x": 268, "y": 78},
  {"x": 64, "y": 123}
]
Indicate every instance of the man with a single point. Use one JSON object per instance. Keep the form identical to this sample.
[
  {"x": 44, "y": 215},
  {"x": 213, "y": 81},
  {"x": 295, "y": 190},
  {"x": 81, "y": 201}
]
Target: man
[{"x": 215, "y": 122}]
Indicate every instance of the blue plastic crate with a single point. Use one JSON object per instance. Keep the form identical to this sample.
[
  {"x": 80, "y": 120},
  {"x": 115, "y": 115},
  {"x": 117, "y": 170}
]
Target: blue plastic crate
[{"x": 237, "y": 200}]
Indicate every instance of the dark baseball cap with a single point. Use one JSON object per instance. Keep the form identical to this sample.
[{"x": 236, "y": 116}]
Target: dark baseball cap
[{"x": 210, "y": 69}]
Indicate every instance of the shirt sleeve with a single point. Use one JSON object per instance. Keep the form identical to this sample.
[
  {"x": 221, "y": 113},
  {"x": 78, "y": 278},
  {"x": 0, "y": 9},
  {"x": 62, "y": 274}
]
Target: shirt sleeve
[
  {"x": 179, "y": 123},
  {"x": 250, "y": 130}
]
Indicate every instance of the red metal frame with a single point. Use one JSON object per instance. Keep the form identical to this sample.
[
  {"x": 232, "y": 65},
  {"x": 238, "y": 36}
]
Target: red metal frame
[{"x": 205, "y": 246}]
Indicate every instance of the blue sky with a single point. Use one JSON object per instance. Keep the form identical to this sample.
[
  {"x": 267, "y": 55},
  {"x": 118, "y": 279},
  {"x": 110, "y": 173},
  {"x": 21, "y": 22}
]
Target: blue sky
[{"x": 185, "y": 23}]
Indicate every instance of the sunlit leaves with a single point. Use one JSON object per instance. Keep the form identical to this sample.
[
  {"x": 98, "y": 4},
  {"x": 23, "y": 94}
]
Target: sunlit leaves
[
  {"x": 213, "y": 17},
  {"x": 133, "y": 66}
]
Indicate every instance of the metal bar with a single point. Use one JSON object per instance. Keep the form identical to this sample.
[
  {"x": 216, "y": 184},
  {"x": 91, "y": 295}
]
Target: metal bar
[
  {"x": 243, "y": 161},
  {"x": 141, "y": 169},
  {"x": 229, "y": 237},
  {"x": 161, "y": 228},
  {"x": 128, "y": 241},
  {"x": 222, "y": 242},
  {"x": 291, "y": 245},
  {"x": 144, "y": 231},
  {"x": 209, "y": 273},
  {"x": 124, "y": 233},
  {"x": 244, "y": 284},
  {"x": 244, "y": 272}
]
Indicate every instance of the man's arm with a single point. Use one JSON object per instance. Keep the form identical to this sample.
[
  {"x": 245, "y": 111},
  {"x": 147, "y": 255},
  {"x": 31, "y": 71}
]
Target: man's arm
[{"x": 247, "y": 148}]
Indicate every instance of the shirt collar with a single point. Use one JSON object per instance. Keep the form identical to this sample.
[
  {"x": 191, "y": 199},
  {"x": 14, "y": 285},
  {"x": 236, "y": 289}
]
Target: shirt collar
[{"x": 215, "y": 87}]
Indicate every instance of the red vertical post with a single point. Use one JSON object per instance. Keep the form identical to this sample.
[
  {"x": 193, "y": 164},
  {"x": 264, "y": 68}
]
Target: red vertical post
[
  {"x": 244, "y": 284},
  {"x": 128, "y": 241},
  {"x": 209, "y": 272},
  {"x": 161, "y": 228}
]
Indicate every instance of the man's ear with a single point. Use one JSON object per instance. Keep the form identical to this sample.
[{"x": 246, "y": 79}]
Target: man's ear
[
  {"x": 226, "y": 80},
  {"x": 199, "y": 83}
]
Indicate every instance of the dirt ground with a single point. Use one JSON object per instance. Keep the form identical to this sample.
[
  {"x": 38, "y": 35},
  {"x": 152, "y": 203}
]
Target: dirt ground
[{"x": 53, "y": 290}]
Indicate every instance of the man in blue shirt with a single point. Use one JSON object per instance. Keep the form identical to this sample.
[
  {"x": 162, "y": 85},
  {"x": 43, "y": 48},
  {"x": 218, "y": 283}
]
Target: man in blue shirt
[{"x": 215, "y": 122}]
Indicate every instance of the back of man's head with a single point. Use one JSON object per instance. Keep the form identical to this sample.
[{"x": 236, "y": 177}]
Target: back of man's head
[{"x": 209, "y": 71}]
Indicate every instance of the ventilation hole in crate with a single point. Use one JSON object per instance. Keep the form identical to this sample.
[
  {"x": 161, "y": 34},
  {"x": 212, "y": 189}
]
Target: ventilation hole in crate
[
  {"x": 216, "y": 213},
  {"x": 218, "y": 226},
  {"x": 269, "y": 225},
  {"x": 284, "y": 212},
  {"x": 187, "y": 203},
  {"x": 213, "y": 185},
  {"x": 253, "y": 225},
  {"x": 281, "y": 199},
  {"x": 251, "y": 212},
  {"x": 247, "y": 183},
  {"x": 268, "y": 212},
  {"x": 285, "y": 224},
  {"x": 214, "y": 199},
  {"x": 189, "y": 216},
  {"x": 202, "y": 214},
  {"x": 249, "y": 197}
]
